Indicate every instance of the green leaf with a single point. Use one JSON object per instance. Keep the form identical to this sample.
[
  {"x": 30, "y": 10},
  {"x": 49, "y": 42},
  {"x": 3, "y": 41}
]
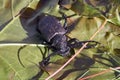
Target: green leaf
[
  {"x": 21, "y": 28},
  {"x": 10, "y": 9},
  {"x": 12, "y": 69}
]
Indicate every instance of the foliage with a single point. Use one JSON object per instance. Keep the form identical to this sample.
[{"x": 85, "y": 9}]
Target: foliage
[{"x": 18, "y": 26}]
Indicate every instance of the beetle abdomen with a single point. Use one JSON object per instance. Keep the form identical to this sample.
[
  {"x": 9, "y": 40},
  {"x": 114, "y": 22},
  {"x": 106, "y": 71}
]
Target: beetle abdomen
[{"x": 49, "y": 27}]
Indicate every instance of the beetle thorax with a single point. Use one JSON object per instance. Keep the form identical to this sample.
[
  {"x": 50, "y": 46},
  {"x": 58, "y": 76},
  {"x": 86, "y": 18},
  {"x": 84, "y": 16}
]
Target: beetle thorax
[{"x": 60, "y": 43}]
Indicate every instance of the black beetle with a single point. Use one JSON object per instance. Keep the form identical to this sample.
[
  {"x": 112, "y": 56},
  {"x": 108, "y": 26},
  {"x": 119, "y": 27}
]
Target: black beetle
[{"x": 54, "y": 34}]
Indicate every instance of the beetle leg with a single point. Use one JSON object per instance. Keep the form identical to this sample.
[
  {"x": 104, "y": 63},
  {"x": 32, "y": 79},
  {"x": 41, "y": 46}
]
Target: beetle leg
[
  {"x": 18, "y": 54},
  {"x": 65, "y": 18},
  {"x": 71, "y": 27},
  {"x": 61, "y": 18},
  {"x": 45, "y": 61},
  {"x": 43, "y": 53},
  {"x": 75, "y": 43}
]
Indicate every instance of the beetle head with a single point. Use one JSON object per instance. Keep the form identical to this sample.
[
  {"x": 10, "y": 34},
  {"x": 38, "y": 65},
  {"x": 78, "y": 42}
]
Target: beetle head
[{"x": 65, "y": 51}]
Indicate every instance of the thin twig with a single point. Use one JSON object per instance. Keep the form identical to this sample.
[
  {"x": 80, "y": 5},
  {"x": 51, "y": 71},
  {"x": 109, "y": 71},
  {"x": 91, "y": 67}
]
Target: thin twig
[
  {"x": 78, "y": 52},
  {"x": 100, "y": 73}
]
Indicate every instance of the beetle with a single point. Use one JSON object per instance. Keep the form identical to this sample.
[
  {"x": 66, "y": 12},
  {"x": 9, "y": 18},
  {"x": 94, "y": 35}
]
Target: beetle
[{"x": 54, "y": 35}]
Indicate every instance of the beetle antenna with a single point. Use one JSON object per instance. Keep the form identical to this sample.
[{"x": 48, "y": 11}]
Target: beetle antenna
[{"x": 18, "y": 54}]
